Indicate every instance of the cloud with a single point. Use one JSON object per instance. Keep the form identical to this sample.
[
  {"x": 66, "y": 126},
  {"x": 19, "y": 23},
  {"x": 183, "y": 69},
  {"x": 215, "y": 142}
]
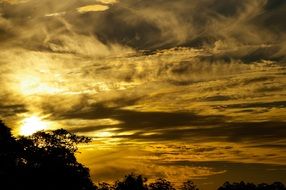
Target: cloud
[
  {"x": 92, "y": 8},
  {"x": 11, "y": 110},
  {"x": 6, "y": 30},
  {"x": 236, "y": 25},
  {"x": 107, "y": 1},
  {"x": 55, "y": 14},
  {"x": 14, "y": 1},
  {"x": 232, "y": 29},
  {"x": 126, "y": 159},
  {"x": 52, "y": 28}
]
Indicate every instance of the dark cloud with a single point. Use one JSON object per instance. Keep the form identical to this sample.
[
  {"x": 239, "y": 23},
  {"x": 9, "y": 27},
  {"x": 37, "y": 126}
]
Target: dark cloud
[
  {"x": 252, "y": 132},
  {"x": 194, "y": 24},
  {"x": 274, "y": 104},
  {"x": 218, "y": 98},
  {"x": 273, "y": 146},
  {"x": 240, "y": 29},
  {"x": 170, "y": 125},
  {"x": 11, "y": 110},
  {"x": 144, "y": 120},
  {"x": 274, "y": 11},
  {"x": 245, "y": 131}
]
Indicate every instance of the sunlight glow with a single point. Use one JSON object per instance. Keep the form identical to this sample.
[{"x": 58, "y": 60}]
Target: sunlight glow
[
  {"x": 34, "y": 85},
  {"x": 104, "y": 134},
  {"x": 31, "y": 125}
]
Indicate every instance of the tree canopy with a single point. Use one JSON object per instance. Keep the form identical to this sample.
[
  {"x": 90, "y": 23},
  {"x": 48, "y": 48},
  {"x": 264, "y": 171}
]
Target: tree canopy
[{"x": 44, "y": 160}]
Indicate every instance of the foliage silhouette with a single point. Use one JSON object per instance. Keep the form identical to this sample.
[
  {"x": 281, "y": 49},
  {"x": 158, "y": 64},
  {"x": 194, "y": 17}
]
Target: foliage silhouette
[
  {"x": 104, "y": 186},
  {"x": 131, "y": 182},
  {"x": 45, "y": 160},
  {"x": 8, "y": 156},
  {"x": 251, "y": 186},
  {"x": 188, "y": 185},
  {"x": 273, "y": 186},
  {"x": 161, "y": 184},
  {"x": 138, "y": 182},
  {"x": 7, "y": 147}
]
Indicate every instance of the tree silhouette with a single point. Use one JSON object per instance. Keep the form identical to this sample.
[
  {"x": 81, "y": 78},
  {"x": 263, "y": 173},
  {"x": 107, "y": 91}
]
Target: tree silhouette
[
  {"x": 8, "y": 156},
  {"x": 251, "y": 186},
  {"x": 7, "y": 146},
  {"x": 104, "y": 186},
  {"x": 50, "y": 156},
  {"x": 273, "y": 186},
  {"x": 161, "y": 184},
  {"x": 277, "y": 185},
  {"x": 45, "y": 160},
  {"x": 132, "y": 182},
  {"x": 238, "y": 186},
  {"x": 188, "y": 185}
]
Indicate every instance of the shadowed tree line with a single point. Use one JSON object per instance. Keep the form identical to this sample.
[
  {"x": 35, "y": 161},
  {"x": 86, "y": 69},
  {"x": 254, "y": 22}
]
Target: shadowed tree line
[
  {"x": 251, "y": 186},
  {"x": 46, "y": 161},
  {"x": 43, "y": 161},
  {"x": 138, "y": 182}
]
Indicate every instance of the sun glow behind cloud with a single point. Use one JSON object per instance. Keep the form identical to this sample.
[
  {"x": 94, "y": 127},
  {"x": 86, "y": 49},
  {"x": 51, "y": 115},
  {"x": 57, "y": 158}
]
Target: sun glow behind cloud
[
  {"x": 33, "y": 85},
  {"x": 32, "y": 124}
]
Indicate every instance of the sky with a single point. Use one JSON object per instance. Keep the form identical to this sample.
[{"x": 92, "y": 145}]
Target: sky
[{"x": 181, "y": 89}]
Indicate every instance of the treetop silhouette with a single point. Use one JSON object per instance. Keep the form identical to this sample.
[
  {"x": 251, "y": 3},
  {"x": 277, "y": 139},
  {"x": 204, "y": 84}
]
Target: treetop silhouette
[
  {"x": 44, "y": 160},
  {"x": 250, "y": 186},
  {"x": 132, "y": 182}
]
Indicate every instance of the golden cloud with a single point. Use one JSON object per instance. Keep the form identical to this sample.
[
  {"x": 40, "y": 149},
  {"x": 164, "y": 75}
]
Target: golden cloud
[
  {"x": 92, "y": 8},
  {"x": 107, "y": 1}
]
